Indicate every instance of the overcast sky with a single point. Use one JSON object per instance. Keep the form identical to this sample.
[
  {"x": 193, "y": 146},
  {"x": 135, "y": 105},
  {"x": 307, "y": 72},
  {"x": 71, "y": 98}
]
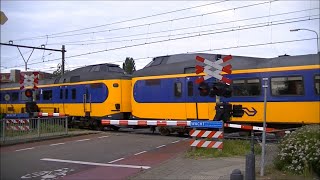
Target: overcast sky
[{"x": 211, "y": 28}]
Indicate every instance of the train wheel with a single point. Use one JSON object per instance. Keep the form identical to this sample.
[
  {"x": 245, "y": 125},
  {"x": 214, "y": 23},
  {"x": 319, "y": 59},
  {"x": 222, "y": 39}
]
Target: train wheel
[{"x": 164, "y": 131}]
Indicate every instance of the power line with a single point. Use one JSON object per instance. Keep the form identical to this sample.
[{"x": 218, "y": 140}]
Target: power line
[
  {"x": 153, "y": 42},
  {"x": 119, "y": 22},
  {"x": 158, "y": 22},
  {"x": 153, "y": 37},
  {"x": 216, "y": 49},
  {"x": 184, "y": 28}
]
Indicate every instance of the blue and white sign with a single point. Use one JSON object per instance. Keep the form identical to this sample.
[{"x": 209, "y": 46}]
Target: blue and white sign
[
  {"x": 206, "y": 124},
  {"x": 18, "y": 115}
]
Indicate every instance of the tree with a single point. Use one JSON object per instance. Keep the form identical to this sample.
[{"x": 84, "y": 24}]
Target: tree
[{"x": 129, "y": 65}]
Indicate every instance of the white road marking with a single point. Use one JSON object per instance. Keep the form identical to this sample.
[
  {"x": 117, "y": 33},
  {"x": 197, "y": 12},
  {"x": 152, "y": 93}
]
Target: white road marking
[
  {"x": 185, "y": 139},
  {"x": 24, "y": 149},
  {"x": 140, "y": 153},
  {"x": 82, "y": 140},
  {"x": 160, "y": 146},
  {"x": 103, "y": 137},
  {"x": 96, "y": 164},
  {"x": 175, "y": 141},
  {"x": 56, "y": 144},
  {"x": 116, "y": 160}
]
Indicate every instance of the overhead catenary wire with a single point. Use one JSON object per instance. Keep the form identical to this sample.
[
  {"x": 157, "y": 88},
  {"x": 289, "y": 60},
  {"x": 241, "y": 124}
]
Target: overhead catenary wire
[
  {"x": 178, "y": 29},
  {"x": 158, "y": 22},
  {"x": 214, "y": 49},
  {"x": 123, "y": 21},
  {"x": 195, "y": 32},
  {"x": 171, "y": 39}
]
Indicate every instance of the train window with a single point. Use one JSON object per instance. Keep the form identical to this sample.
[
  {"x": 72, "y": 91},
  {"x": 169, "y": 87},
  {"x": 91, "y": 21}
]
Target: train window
[
  {"x": 155, "y": 62},
  {"x": 73, "y": 93},
  {"x": 61, "y": 93},
  {"x": 177, "y": 89},
  {"x": 66, "y": 92},
  {"x": 115, "y": 69},
  {"x": 37, "y": 95},
  {"x": 317, "y": 84},
  {"x": 246, "y": 87},
  {"x": 95, "y": 85},
  {"x": 15, "y": 96},
  {"x": 287, "y": 86},
  {"x": 95, "y": 68},
  {"x": 75, "y": 79},
  {"x": 47, "y": 95},
  {"x": 190, "y": 88},
  {"x": 153, "y": 82}
]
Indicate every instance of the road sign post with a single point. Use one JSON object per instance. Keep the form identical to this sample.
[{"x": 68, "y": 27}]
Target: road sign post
[{"x": 265, "y": 86}]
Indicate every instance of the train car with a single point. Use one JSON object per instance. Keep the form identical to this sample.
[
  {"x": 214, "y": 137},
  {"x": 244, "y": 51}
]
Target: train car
[
  {"x": 85, "y": 94},
  {"x": 166, "y": 89}
]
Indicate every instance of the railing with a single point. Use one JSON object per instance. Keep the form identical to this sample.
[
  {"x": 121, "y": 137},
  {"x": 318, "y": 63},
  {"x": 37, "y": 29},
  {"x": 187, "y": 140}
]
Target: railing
[{"x": 22, "y": 130}]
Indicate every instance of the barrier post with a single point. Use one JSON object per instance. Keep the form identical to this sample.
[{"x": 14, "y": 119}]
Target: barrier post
[
  {"x": 265, "y": 86},
  {"x": 66, "y": 119},
  {"x": 3, "y": 130},
  {"x": 38, "y": 126}
]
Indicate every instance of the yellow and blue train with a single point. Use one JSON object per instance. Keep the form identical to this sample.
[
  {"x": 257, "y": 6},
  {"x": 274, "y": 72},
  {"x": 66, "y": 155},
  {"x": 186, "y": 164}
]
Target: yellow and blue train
[
  {"x": 86, "y": 94},
  {"x": 165, "y": 89}
]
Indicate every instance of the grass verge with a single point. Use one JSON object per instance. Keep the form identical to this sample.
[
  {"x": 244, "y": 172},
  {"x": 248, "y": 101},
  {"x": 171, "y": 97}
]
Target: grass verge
[{"x": 230, "y": 148}]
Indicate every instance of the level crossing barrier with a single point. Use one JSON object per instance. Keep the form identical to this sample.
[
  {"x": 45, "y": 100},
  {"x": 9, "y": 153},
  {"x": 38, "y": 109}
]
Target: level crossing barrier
[{"x": 181, "y": 123}]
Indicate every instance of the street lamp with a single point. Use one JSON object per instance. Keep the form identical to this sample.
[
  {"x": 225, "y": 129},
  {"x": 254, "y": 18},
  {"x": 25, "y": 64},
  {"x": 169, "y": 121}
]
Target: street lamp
[{"x": 292, "y": 30}]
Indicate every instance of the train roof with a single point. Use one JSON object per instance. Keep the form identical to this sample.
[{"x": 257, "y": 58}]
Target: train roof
[
  {"x": 87, "y": 73},
  {"x": 185, "y": 63}
]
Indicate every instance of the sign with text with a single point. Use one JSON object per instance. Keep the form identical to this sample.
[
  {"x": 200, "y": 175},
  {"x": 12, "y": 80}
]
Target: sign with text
[{"x": 206, "y": 124}]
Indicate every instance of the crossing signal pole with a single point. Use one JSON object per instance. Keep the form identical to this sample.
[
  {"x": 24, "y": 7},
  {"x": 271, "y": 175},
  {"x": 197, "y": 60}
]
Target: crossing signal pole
[{"x": 219, "y": 88}]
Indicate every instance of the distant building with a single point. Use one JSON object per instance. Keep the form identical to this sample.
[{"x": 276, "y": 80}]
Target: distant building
[{"x": 14, "y": 76}]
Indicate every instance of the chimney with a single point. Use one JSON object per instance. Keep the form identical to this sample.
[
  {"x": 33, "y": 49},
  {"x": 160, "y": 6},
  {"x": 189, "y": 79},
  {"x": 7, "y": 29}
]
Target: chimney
[{"x": 15, "y": 75}]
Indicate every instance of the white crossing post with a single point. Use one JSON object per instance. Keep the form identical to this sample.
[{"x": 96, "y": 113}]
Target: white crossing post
[{"x": 265, "y": 86}]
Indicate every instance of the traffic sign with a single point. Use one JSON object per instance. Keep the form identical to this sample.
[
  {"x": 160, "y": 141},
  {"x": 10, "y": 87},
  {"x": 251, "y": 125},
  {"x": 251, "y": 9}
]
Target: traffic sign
[
  {"x": 31, "y": 80},
  {"x": 208, "y": 69},
  {"x": 206, "y": 124},
  {"x": 3, "y": 18}
]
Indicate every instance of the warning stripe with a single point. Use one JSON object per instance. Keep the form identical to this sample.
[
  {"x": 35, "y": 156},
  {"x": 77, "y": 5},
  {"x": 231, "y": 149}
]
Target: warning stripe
[
  {"x": 175, "y": 123},
  {"x": 16, "y": 121},
  {"x": 18, "y": 128},
  {"x": 248, "y": 127},
  {"x": 206, "y": 134},
  {"x": 206, "y": 144},
  {"x": 41, "y": 114},
  {"x": 145, "y": 123}
]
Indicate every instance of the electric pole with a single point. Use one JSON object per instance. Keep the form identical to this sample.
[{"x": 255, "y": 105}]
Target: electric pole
[{"x": 33, "y": 48}]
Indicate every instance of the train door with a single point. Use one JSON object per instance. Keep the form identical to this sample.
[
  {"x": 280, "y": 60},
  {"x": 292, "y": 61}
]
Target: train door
[
  {"x": 86, "y": 98},
  {"x": 197, "y": 107},
  {"x": 191, "y": 105}
]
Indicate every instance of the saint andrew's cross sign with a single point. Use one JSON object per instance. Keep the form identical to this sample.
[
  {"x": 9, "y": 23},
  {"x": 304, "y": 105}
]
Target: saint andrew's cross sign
[
  {"x": 29, "y": 80},
  {"x": 209, "y": 66}
]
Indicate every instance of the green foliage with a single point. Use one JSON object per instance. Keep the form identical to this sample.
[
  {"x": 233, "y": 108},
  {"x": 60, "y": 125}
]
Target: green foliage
[
  {"x": 230, "y": 148},
  {"x": 129, "y": 65},
  {"x": 299, "y": 152}
]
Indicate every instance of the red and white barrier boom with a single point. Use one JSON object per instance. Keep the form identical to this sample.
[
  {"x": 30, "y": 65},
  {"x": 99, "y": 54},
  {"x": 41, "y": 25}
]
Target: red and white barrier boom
[{"x": 208, "y": 69}]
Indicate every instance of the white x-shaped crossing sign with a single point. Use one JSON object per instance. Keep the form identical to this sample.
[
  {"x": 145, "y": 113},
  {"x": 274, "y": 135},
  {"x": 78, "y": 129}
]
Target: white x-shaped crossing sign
[
  {"x": 209, "y": 69},
  {"x": 31, "y": 80}
]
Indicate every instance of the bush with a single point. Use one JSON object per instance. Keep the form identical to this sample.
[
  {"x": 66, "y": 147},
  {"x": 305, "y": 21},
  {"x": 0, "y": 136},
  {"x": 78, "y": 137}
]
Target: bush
[{"x": 299, "y": 151}]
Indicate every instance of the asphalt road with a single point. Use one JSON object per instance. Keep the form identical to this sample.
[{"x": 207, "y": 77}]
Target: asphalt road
[{"x": 106, "y": 155}]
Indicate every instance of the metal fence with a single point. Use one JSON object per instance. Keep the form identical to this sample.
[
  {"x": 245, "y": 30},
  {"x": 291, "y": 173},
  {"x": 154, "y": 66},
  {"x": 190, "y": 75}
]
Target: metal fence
[{"x": 22, "y": 130}]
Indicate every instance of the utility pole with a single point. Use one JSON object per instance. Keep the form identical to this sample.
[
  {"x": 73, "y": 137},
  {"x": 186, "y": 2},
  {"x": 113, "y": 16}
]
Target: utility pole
[
  {"x": 62, "y": 64},
  {"x": 33, "y": 48}
]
